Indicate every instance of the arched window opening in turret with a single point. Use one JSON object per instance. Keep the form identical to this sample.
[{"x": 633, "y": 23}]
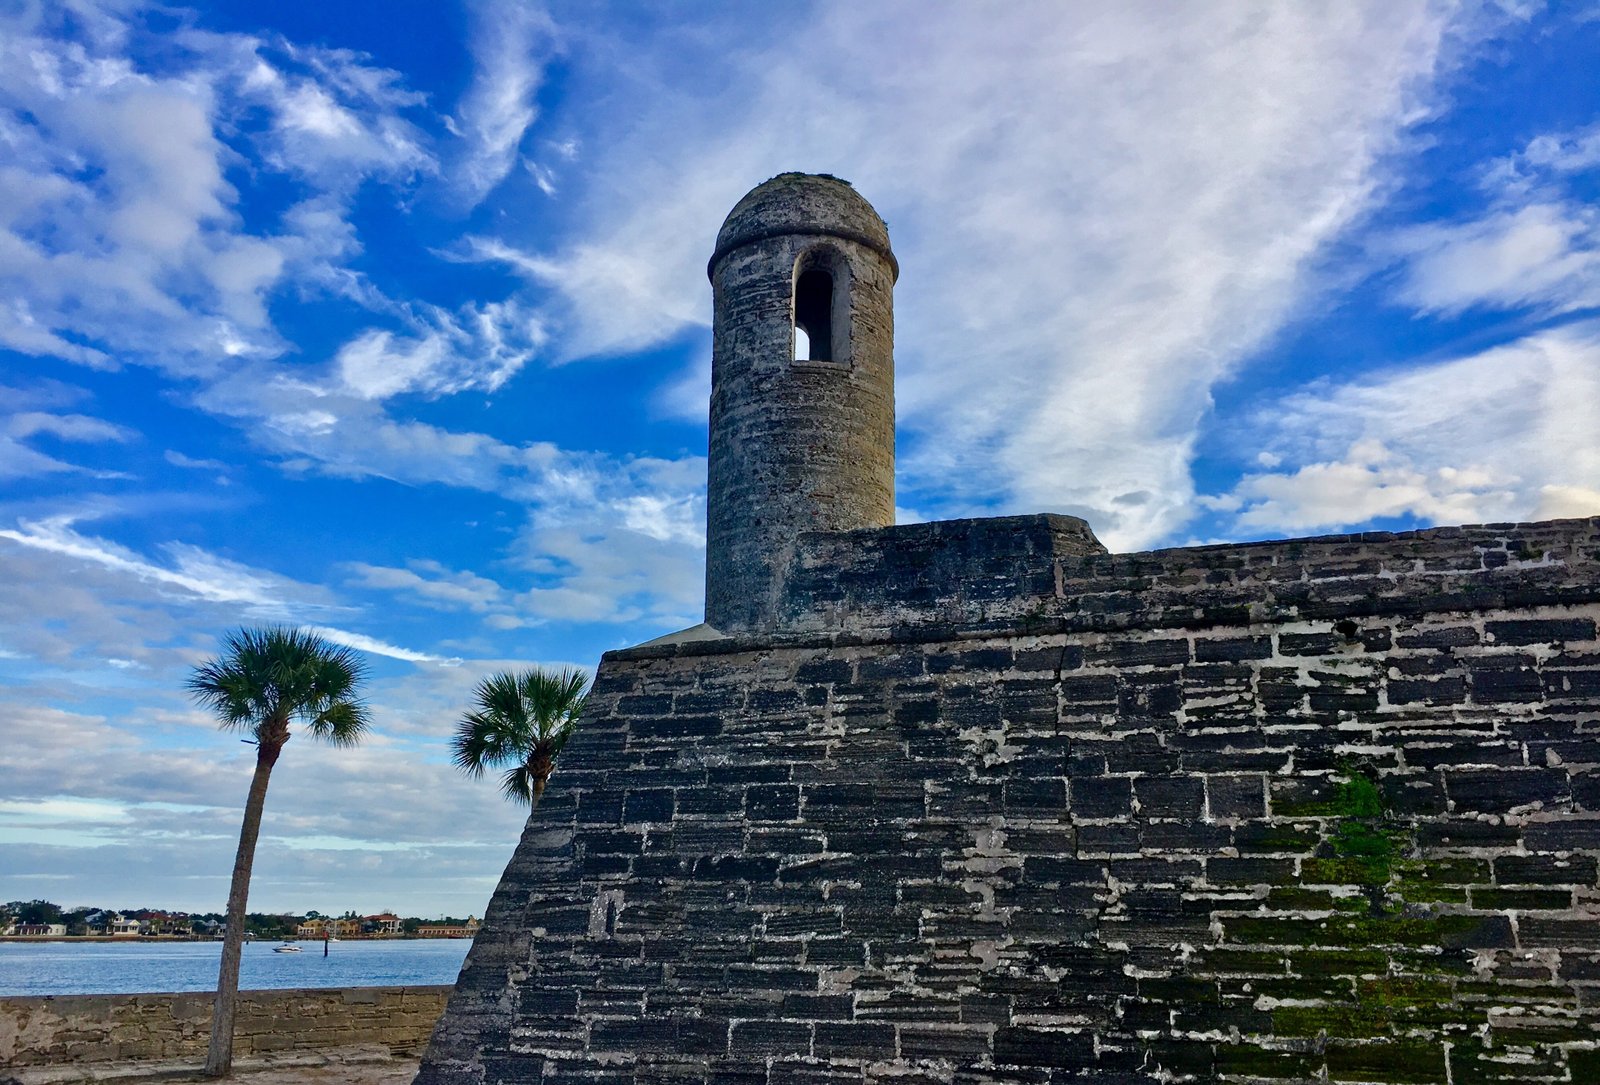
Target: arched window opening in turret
[{"x": 813, "y": 316}]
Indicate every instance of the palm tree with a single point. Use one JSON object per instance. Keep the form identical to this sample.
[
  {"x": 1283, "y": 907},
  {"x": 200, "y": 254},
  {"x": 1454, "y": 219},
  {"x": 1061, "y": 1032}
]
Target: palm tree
[
  {"x": 521, "y": 722},
  {"x": 266, "y": 680}
]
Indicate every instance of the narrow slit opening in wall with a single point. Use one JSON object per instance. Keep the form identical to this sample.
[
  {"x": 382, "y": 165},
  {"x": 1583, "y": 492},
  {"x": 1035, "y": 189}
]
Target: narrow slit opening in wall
[{"x": 813, "y": 316}]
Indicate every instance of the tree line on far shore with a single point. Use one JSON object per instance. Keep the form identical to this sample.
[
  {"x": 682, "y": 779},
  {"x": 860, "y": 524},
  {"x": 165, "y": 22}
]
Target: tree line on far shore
[{"x": 82, "y": 921}]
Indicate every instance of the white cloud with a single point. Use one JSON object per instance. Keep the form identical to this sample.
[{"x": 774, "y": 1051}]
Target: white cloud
[
  {"x": 1536, "y": 246},
  {"x": 337, "y": 120},
  {"x": 192, "y": 570},
  {"x": 45, "y": 812},
  {"x": 1541, "y": 255},
  {"x": 178, "y": 459},
  {"x": 107, "y": 814},
  {"x": 1371, "y": 482},
  {"x": 36, "y": 410},
  {"x": 1512, "y": 433},
  {"x": 594, "y": 571},
  {"x": 67, "y": 427},
  {"x": 665, "y": 518},
  {"x": 434, "y": 585},
  {"x": 1565, "y": 152},
  {"x": 114, "y": 202},
  {"x": 1558, "y": 502},
  {"x": 375, "y": 366},
  {"x": 594, "y": 511},
  {"x": 1544, "y": 159},
  {"x": 364, "y": 643},
  {"x": 481, "y": 348},
  {"x": 120, "y": 234},
  {"x": 510, "y": 43}
]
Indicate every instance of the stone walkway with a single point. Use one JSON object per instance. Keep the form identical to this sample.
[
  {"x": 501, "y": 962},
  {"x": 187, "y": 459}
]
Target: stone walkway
[{"x": 339, "y": 1066}]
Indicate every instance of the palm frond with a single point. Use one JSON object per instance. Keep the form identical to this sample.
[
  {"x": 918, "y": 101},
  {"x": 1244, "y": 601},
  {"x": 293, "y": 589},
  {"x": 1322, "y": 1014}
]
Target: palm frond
[
  {"x": 342, "y": 723},
  {"x": 270, "y": 675},
  {"x": 518, "y": 713},
  {"x": 483, "y": 740},
  {"x": 517, "y": 784}
]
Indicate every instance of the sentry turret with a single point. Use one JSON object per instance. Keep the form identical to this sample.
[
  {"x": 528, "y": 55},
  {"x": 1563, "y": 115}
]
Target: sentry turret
[{"x": 802, "y": 386}]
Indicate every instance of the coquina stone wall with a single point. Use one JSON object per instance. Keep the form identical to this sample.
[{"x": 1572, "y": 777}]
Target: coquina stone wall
[
  {"x": 65, "y": 1030},
  {"x": 1324, "y": 810}
]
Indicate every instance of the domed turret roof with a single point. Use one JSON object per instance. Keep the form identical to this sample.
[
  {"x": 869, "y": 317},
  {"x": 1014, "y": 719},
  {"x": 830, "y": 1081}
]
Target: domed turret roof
[{"x": 803, "y": 203}]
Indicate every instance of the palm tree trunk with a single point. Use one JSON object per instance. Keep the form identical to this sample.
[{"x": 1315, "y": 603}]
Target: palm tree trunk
[
  {"x": 219, "y": 1057},
  {"x": 540, "y": 765}
]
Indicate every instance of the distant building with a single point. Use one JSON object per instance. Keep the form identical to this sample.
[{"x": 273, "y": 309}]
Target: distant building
[
  {"x": 164, "y": 923},
  {"x": 123, "y": 927},
  {"x": 444, "y": 930},
  {"x": 382, "y": 923},
  {"x": 349, "y": 927},
  {"x": 40, "y": 930}
]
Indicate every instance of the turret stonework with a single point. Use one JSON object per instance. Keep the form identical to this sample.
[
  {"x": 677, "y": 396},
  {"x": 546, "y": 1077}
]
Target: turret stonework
[{"x": 802, "y": 386}]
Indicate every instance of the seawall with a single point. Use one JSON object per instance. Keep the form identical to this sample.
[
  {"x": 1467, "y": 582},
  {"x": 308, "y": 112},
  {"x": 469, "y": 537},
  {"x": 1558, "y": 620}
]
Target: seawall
[{"x": 62, "y": 1030}]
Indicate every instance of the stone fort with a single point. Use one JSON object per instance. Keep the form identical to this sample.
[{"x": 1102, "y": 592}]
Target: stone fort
[{"x": 977, "y": 801}]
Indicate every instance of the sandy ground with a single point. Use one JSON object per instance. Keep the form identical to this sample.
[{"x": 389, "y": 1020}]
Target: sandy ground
[{"x": 349, "y": 1066}]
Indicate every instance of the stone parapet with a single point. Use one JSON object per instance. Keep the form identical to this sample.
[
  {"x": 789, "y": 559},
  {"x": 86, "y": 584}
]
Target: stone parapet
[{"x": 956, "y": 579}]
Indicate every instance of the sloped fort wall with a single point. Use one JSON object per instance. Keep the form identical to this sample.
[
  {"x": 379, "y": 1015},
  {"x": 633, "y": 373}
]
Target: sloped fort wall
[{"x": 999, "y": 807}]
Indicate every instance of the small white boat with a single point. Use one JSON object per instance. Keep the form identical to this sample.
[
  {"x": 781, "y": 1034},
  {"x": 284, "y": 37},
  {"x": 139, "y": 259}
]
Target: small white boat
[{"x": 287, "y": 947}]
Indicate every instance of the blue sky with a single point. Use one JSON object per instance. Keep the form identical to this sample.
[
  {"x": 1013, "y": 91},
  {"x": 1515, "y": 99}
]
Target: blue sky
[{"x": 391, "y": 319}]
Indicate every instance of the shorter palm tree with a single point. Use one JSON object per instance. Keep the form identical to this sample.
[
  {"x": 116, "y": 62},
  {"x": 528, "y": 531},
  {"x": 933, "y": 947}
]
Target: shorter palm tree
[{"x": 521, "y": 721}]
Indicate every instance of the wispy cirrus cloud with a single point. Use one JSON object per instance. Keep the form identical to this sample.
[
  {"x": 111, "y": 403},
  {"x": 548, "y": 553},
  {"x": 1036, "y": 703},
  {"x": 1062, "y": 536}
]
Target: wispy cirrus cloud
[
  {"x": 479, "y": 348},
  {"x": 189, "y": 569},
  {"x": 1535, "y": 246},
  {"x": 209, "y": 578},
  {"x": 337, "y": 121},
  {"x": 178, "y": 459},
  {"x": 121, "y": 232},
  {"x": 1083, "y": 275},
  {"x": 18, "y": 459},
  {"x": 1543, "y": 256},
  {"x": 67, "y": 427},
  {"x": 362, "y": 642},
  {"x": 1499, "y": 435},
  {"x": 510, "y": 44}
]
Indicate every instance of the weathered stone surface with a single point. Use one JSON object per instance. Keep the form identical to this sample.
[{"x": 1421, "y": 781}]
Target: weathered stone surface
[
  {"x": 86, "y": 1029},
  {"x": 1127, "y": 828}
]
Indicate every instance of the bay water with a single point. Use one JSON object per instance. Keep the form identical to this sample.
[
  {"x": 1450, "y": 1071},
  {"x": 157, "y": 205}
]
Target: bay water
[{"x": 138, "y": 967}]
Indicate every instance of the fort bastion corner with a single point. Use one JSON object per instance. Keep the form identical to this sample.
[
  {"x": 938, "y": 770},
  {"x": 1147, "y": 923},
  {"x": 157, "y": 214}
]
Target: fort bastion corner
[{"x": 976, "y": 801}]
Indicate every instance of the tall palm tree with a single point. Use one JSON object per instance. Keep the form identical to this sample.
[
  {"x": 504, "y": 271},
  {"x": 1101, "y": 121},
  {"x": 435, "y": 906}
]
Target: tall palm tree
[
  {"x": 522, "y": 720},
  {"x": 264, "y": 681}
]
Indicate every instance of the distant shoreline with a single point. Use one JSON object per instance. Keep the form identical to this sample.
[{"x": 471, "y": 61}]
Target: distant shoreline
[{"x": 144, "y": 939}]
